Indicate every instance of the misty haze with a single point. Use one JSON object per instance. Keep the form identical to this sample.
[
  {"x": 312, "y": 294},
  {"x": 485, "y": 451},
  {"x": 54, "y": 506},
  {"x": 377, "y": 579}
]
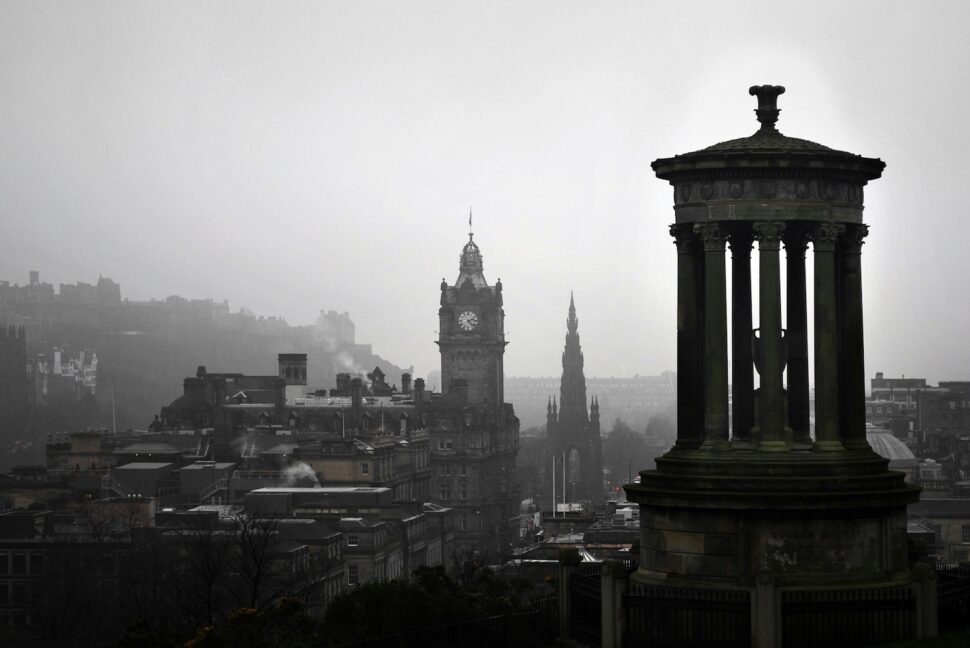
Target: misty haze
[{"x": 342, "y": 322}]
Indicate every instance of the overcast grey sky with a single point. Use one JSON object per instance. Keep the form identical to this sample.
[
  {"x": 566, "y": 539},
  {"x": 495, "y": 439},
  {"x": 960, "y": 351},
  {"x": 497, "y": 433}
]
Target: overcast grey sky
[{"x": 298, "y": 156}]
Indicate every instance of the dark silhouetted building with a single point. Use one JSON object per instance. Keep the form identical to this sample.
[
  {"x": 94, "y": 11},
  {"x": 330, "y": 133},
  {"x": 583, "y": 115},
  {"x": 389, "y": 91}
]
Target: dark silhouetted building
[
  {"x": 750, "y": 511},
  {"x": 573, "y": 432}
]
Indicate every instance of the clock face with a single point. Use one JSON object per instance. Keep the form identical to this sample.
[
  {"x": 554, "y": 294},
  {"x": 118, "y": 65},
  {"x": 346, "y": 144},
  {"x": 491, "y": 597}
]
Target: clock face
[{"x": 468, "y": 321}]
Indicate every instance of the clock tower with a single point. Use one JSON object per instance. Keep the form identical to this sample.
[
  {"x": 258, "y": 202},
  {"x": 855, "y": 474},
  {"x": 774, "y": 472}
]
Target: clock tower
[{"x": 471, "y": 332}]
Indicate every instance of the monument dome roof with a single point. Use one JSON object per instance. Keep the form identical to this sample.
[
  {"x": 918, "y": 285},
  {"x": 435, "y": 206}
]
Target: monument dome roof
[
  {"x": 768, "y": 147},
  {"x": 889, "y": 447}
]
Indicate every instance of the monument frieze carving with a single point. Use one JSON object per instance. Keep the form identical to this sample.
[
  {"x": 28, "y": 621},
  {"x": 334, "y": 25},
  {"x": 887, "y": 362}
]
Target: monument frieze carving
[{"x": 768, "y": 189}]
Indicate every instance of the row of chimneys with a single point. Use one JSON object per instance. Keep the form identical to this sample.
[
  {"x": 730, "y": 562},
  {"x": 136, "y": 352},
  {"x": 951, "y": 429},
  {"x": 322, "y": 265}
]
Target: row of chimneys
[
  {"x": 356, "y": 389},
  {"x": 345, "y": 383}
]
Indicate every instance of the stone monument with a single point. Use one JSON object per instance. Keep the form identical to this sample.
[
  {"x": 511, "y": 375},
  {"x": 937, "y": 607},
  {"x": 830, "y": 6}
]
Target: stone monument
[{"x": 752, "y": 505}]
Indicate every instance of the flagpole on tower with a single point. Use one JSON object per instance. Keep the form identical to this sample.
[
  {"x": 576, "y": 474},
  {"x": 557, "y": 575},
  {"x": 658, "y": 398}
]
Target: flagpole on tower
[{"x": 470, "y": 234}]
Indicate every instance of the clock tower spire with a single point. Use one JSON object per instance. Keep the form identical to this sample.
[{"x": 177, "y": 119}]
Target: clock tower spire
[{"x": 471, "y": 332}]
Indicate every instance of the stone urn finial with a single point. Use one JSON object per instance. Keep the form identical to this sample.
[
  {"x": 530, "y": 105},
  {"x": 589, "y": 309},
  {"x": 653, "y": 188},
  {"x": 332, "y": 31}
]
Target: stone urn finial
[{"x": 767, "y": 110}]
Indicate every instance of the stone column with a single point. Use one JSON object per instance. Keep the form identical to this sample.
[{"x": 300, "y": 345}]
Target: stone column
[
  {"x": 826, "y": 339},
  {"x": 689, "y": 391},
  {"x": 715, "y": 339},
  {"x": 613, "y": 577},
  {"x": 764, "y": 608},
  {"x": 569, "y": 559},
  {"x": 772, "y": 411},
  {"x": 927, "y": 604},
  {"x": 852, "y": 366},
  {"x": 742, "y": 367},
  {"x": 797, "y": 340}
]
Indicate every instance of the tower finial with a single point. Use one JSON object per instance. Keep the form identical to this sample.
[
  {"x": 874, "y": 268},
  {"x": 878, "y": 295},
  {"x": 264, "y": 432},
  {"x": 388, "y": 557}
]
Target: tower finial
[
  {"x": 470, "y": 233},
  {"x": 767, "y": 110}
]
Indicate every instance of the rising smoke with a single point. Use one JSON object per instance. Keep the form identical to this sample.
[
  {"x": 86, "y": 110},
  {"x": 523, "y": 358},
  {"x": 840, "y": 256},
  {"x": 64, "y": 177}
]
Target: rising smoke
[{"x": 300, "y": 474}]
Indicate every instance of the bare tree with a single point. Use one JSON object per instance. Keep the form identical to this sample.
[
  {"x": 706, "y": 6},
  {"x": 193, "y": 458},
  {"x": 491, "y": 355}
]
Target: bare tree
[
  {"x": 207, "y": 556},
  {"x": 260, "y": 565}
]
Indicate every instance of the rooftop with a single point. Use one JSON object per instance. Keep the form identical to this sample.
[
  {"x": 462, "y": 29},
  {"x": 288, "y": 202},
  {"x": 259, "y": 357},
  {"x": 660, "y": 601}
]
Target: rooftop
[{"x": 322, "y": 489}]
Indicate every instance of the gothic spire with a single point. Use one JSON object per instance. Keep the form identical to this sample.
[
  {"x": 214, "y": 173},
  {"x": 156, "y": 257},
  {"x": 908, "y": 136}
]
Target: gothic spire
[
  {"x": 572, "y": 323},
  {"x": 572, "y": 401}
]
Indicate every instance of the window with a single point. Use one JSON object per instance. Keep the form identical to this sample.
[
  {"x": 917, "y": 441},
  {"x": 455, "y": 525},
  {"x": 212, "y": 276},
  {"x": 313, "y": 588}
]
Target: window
[
  {"x": 352, "y": 541},
  {"x": 441, "y": 444},
  {"x": 19, "y": 593},
  {"x": 352, "y": 576},
  {"x": 365, "y": 468},
  {"x": 966, "y": 533},
  {"x": 464, "y": 494},
  {"x": 464, "y": 471},
  {"x": 19, "y": 564},
  {"x": 449, "y": 444},
  {"x": 36, "y": 563},
  {"x": 4, "y": 566}
]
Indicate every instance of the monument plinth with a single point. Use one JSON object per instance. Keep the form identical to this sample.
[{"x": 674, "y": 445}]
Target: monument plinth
[{"x": 751, "y": 498}]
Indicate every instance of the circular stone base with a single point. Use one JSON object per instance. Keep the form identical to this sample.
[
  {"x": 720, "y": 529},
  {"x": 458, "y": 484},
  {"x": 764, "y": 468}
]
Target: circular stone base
[{"x": 803, "y": 518}]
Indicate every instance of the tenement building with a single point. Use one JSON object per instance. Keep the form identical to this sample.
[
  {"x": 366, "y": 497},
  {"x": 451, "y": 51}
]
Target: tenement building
[
  {"x": 15, "y": 392},
  {"x": 788, "y": 538}
]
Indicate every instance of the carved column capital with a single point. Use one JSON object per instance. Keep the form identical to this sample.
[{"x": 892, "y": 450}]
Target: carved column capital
[
  {"x": 713, "y": 236},
  {"x": 684, "y": 238},
  {"x": 768, "y": 234},
  {"x": 852, "y": 240},
  {"x": 826, "y": 235}
]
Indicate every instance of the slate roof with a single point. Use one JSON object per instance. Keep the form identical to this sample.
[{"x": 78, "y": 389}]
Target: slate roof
[
  {"x": 148, "y": 448},
  {"x": 770, "y": 140}
]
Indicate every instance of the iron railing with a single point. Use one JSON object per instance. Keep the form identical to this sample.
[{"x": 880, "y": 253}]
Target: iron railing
[
  {"x": 538, "y": 626},
  {"x": 953, "y": 595},
  {"x": 661, "y": 617},
  {"x": 585, "y": 585},
  {"x": 853, "y": 617}
]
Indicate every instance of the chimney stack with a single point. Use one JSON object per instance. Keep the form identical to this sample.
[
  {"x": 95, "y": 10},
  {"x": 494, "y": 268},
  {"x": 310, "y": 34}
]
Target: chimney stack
[
  {"x": 356, "y": 393},
  {"x": 419, "y": 394},
  {"x": 343, "y": 384},
  {"x": 405, "y": 383}
]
